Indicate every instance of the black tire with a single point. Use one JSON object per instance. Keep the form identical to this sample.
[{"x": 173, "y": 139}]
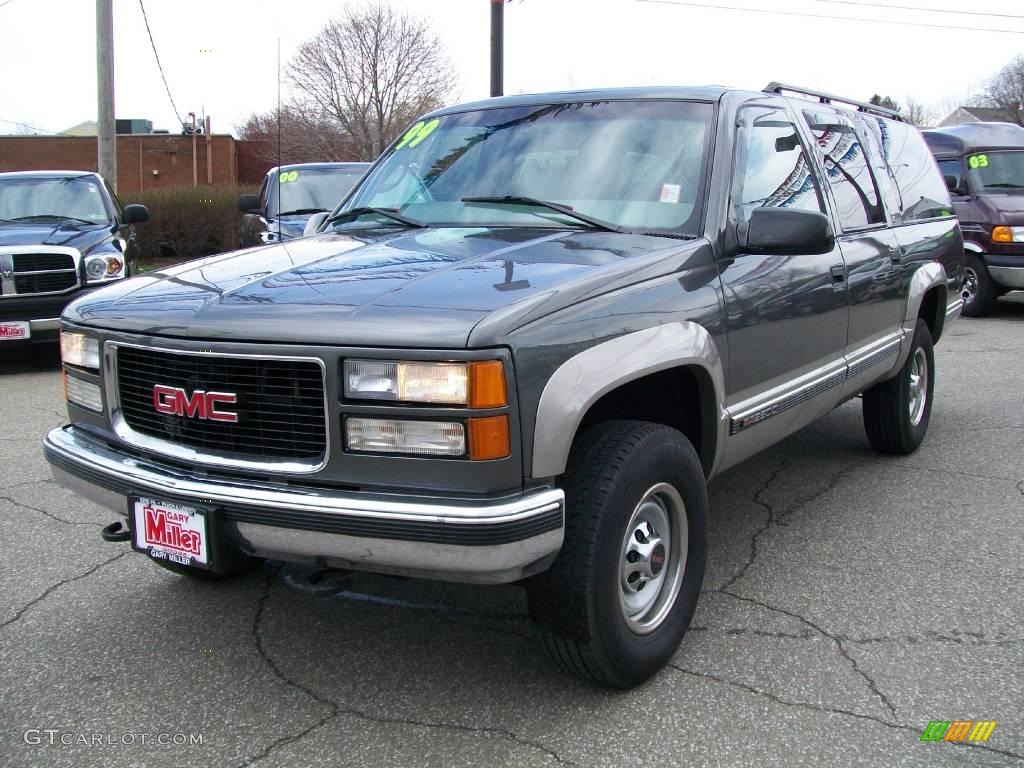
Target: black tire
[
  {"x": 980, "y": 293},
  {"x": 889, "y": 417},
  {"x": 577, "y": 602}
]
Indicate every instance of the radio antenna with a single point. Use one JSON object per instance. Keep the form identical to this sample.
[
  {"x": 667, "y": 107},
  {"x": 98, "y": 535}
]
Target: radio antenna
[{"x": 279, "y": 139}]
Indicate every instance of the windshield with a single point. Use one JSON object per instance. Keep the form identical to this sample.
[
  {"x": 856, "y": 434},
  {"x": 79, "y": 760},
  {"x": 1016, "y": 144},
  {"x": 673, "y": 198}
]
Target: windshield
[
  {"x": 308, "y": 190},
  {"x": 996, "y": 171},
  {"x": 634, "y": 164},
  {"x": 73, "y": 197}
]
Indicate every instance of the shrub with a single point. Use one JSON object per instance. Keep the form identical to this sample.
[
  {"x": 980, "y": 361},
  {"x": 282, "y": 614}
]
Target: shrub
[{"x": 189, "y": 222}]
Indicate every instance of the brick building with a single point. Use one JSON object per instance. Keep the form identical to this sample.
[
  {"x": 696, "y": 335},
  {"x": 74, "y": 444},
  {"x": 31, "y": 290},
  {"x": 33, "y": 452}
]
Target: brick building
[{"x": 144, "y": 161}]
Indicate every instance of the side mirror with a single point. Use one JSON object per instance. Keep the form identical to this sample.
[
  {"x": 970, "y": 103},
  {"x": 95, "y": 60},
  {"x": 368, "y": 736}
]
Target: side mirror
[
  {"x": 785, "y": 231},
  {"x": 135, "y": 214},
  {"x": 249, "y": 203},
  {"x": 952, "y": 184},
  {"x": 314, "y": 222}
]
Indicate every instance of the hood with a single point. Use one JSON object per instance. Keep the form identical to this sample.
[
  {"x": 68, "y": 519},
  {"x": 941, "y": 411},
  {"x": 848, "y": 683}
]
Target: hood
[
  {"x": 425, "y": 288},
  {"x": 291, "y": 226},
  {"x": 1002, "y": 208},
  {"x": 73, "y": 234}
]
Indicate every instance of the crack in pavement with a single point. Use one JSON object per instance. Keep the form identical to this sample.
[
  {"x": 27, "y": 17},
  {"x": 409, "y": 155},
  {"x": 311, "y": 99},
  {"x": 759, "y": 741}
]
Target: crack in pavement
[
  {"x": 773, "y": 519},
  {"x": 893, "y": 725},
  {"x": 336, "y": 710},
  {"x": 27, "y": 482},
  {"x": 50, "y": 515},
  {"x": 51, "y": 589},
  {"x": 957, "y": 637}
]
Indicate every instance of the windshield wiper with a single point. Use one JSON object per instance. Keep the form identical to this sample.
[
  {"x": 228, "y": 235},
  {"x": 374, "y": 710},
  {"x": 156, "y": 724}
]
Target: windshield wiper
[
  {"x": 53, "y": 216},
  {"x": 1004, "y": 185},
  {"x": 387, "y": 213},
  {"x": 563, "y": 209},
  {"x": 300, "y": 211}
]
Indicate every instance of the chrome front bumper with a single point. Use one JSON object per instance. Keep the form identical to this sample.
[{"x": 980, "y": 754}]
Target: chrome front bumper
[
  {"x": 480, "y": 541},
  {"x": 1008, "y": 277}
]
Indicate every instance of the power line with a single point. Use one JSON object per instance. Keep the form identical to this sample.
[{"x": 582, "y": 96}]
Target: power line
[
  {"x": 688, "y": 4},
  {"x": 918, "y": 8},
  {"x": 24, "y": 125},
  {"x": 159, "y": 65}
]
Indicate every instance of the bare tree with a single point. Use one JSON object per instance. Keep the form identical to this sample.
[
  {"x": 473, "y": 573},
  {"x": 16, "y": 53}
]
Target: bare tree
[
  {"x": 372, "y": 70},
  {"x": 1006, "y": 90},
  {"x": 918, "y": 113},
  {"x": 306, "y": 136}
]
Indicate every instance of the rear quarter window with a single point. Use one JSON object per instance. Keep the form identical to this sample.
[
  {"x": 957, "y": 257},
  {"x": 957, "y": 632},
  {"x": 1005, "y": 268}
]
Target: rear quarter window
[{"x": 922, "y": 189}]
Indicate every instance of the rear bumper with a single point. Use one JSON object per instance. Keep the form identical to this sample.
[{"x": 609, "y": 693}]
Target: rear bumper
[{"x": 482, "y": 541}]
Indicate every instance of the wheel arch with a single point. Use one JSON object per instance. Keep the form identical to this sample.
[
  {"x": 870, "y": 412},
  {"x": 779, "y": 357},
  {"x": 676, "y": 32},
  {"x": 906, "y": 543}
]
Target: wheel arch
[
  {"x": 670, "y": 374},
  {"x": 927, "y": 299}
]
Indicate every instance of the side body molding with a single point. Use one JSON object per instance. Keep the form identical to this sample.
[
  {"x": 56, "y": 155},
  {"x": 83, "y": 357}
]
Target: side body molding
[{"x": 581, "y": 381}]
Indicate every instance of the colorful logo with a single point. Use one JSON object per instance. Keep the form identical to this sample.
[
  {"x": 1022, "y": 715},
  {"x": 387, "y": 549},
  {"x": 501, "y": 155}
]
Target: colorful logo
[{"x": 958, "y": 730}]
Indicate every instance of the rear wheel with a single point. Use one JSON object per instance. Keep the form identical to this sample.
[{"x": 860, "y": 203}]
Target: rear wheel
[
  {"x": 897, "y": 411},
  {"x": 978, "y": 292},
  {"x": 617, "y": 601}
]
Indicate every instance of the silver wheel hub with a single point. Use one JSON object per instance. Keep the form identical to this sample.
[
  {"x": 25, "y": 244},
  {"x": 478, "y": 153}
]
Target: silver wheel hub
[
  {"x": 970, "y": 287},
  {"x": 918, "y": 386},
  {"x": 653, "y": 558}
]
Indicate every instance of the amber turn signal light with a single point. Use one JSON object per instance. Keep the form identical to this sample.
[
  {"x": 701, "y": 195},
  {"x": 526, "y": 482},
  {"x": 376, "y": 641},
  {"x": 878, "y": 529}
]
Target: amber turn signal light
[
  {"x": 487, "y": 385},
  {"x": 1002, "y": 235},
  {"x": 489, "y": 438}
]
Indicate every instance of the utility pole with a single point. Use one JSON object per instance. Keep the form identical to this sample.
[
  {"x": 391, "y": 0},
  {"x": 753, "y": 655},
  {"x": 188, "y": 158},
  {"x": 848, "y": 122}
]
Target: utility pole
[
  {"x": 106, "y": 138},
  {"x": 497, "y": 46}
]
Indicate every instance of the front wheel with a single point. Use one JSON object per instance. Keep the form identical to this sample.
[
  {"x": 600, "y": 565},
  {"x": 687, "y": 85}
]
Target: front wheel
[
  {"x": 897, "y": 411},
  {"x": 979, "y": 292},
  {"x": 617, "y": 601}
]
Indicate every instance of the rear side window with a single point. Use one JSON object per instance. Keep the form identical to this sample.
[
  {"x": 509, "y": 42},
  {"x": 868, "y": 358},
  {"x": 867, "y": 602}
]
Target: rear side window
[
  {"x": 922, "y": 190},
  {"x": 846, "y": 167},
  {"x": 771, "y": 166}
]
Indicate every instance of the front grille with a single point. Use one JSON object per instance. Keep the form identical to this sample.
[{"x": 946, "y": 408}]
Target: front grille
[
  {"x": 48, "y": 282},
  {"x": 37, "y": 273},
  {"x": 280, "y": 403}
]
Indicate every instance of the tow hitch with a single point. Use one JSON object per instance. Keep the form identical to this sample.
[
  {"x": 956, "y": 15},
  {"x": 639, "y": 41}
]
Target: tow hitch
[{"x": 116, "y": 532}]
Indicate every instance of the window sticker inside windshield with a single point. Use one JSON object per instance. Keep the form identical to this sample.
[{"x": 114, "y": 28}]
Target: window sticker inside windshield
[
  {"x": 287, "y": 176},
  {"x": 670, "y": 193},
  {"x": 978, "y": 161},
  {"x": 417, "y": 133}
]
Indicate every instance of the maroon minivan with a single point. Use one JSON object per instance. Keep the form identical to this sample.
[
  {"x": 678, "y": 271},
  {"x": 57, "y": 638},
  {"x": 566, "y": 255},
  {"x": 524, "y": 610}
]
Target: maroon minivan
[{"x": 983, "y": 165}]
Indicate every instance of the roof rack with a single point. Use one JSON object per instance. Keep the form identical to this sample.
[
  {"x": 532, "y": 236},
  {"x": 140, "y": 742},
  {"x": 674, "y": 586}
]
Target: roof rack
[{"x": 828, "y": 98}]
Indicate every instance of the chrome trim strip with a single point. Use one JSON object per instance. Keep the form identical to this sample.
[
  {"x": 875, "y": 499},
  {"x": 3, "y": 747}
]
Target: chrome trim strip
[
  {"x": 760, "y": 408},
  {"x": 183, "y": 453},
  {"x": 954, "y": 308},
  {"x": 7, "y": 285},
  {"x": 118, "y": 467},
  {"x": 46, "y": 324}
]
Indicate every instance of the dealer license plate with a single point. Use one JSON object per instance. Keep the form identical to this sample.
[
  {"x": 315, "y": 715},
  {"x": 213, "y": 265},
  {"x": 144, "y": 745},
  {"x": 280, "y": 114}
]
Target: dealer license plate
[
  {"x": 14, "y": 329},
  {"x": 172, "y": 532}
]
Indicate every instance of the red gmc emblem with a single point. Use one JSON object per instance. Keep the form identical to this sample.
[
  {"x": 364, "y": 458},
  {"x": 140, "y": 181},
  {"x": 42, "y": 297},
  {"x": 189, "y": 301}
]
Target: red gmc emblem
[{"x": 199, "y": 405}]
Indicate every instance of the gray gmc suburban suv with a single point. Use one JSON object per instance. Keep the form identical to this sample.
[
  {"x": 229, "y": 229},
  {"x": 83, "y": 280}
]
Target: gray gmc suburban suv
[{"x": 520, "y": 347}]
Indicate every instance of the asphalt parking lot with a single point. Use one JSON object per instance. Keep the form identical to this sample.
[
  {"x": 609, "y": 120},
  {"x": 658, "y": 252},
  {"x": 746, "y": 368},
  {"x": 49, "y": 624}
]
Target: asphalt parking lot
[{"x": 850, "y": 600}]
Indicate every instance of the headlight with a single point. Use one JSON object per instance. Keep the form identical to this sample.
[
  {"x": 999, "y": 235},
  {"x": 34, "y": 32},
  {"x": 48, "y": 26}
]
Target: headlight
[
  {"x": 83, "y": 393},
  {"x": 1008, "y": 234},
  {"x": 422, "y": 438},
  {"x": 477, "y": 384},
  {"x": 104, "y": 267},
  {"x": 79, "y": 350}
]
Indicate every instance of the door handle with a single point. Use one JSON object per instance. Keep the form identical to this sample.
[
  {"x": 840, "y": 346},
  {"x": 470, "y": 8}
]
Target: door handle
[
  {"x": 838, "y": 274},
  {"x": 895, "y": 255}
]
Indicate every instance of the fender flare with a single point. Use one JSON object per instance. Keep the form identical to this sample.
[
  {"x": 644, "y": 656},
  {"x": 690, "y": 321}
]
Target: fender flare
[
  {"x": 925, "y": 277},
  {"x": 583, "y": 379},
  {"x": 973, "y": 247}
]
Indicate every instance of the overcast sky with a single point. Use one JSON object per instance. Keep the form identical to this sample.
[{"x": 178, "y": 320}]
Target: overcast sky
[{"x": 49, "y": 74}]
